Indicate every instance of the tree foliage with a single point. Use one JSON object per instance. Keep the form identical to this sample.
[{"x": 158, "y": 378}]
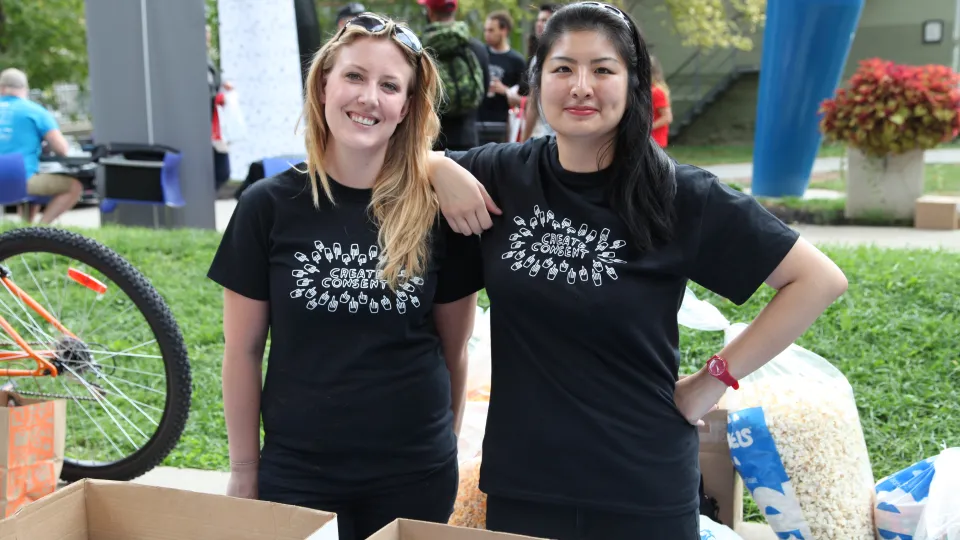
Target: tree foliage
[
  {"x": 47, "y": 39},
  {"x": 716, "y": 23}
]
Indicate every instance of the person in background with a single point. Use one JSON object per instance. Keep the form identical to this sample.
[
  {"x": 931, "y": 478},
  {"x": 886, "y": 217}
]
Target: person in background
[
  {"x": 346, "y": 264},
  {"x": 662, "y": 113},
  {"x": 24, "y": 127},
  {"x": 467, "y": 64},
  {"x": 221, "y": 150},
  {"x": 534, "y": 125},
  {"x": 507, "y": 69},
  {"x": 591, "y": 434},
  {"x": 348, "y": 12}
]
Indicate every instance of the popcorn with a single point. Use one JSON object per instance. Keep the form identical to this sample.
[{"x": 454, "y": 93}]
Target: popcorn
[
  {"x": 470, "y": 507},
  {"x": 814, "y": 427}
]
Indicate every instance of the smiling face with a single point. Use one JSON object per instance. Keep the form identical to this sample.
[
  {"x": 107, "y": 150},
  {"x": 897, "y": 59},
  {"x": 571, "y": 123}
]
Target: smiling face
[
  {"x": 366, "y": 93},
  {"x": 584, "y": 86}
]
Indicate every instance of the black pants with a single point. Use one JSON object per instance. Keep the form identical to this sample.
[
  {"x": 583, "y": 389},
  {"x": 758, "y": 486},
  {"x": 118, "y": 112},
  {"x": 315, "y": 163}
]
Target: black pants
[
  {"x": 221, "y": 168},
  {"x": 429, "y": 499},
  {"x": 572, "y": 523}
]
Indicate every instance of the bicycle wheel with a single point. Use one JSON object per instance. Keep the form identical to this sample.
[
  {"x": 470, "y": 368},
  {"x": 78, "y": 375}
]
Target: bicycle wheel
[{"x": 125, "y": 374}]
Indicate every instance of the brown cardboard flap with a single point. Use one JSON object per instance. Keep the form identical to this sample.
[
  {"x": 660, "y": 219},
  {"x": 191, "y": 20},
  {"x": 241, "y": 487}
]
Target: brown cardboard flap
[
  {"x": 103, "y": 510},
  {"x": 405, "y": 529},
  {"x": 720, "y": 478}
]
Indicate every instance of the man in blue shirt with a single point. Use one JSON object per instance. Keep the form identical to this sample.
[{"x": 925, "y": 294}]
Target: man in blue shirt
[{"x": 24, "y": 126}]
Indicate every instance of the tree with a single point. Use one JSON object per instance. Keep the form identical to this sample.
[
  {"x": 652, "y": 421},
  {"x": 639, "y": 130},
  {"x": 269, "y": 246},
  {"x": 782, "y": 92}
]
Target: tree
[
  {"x": 713, "y": 23},
  {"x": 47, "y": 39}
]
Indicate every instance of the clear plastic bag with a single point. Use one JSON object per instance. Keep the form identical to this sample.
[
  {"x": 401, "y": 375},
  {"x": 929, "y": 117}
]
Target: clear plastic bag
[
  {"x": 796, "y": 440},
  {"x": 941, "y": 514}
]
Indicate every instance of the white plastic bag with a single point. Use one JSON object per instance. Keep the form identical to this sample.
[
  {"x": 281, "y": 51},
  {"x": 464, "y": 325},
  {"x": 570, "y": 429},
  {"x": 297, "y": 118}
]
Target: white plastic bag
[
  {"x": 711, "y": 530},
  {"x": 233, "y": 127},
  {"x": 795, "y": 438},
  {"x": 941, "y": 515},
  {"x": 901, "y": 498}
]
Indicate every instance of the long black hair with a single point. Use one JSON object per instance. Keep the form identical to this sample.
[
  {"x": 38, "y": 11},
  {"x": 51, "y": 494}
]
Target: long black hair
[{"x": 643, "y": 176}]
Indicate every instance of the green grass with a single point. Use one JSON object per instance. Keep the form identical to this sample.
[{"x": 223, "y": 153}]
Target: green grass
[{"x": 894, "y": 334}]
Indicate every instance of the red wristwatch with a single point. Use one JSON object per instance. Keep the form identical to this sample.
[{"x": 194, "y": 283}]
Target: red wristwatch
[{"x": 717, "y": 367}]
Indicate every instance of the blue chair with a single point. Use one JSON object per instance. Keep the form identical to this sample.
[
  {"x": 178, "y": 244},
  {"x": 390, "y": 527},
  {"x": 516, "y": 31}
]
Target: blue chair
[
  {"x": 275, "y": 165},
  {"x": 13, "y": 184},
  {"x": 169, "y": 185}
]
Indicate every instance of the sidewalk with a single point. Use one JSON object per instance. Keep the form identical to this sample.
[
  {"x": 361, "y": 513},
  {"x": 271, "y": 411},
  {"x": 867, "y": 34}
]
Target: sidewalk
[{"x": 739, "y": 171}]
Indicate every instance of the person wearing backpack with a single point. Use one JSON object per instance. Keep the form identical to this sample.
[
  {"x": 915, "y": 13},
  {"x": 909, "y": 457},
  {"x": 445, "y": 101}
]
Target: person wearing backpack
[{"x": 464, "y": 67}]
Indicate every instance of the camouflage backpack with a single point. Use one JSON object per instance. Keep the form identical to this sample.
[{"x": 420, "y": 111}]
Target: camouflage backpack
[{"x": 460, "y": 70}]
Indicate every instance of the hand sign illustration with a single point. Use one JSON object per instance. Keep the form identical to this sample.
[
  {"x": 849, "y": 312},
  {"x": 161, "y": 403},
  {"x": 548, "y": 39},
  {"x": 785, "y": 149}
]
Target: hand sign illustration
[
  {"x": 336, "y": 249},
  {"x": 300, "y": 257},
  {"x": 354, "y": 306}
]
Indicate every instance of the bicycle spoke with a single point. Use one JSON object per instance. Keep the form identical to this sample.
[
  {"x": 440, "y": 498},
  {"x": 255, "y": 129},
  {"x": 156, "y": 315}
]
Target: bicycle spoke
[
  {"x": 118, "y": 368},
  {"x": 136, "y": 404},
  {"x": 32, "y": 326},
  {"x": 46, "y": 301},
  {"x": 126, "y": 352},
  {"x": 82, "y": 408},
  {"x": 140, "y": 386},
  {"x": 110, "y": 320},
  {"x": 100, "y": 399}
]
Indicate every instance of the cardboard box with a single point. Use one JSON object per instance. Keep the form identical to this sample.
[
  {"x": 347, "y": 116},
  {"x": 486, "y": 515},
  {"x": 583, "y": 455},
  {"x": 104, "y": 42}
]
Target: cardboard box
[
  {"x": 720, "y": 479},
  {"x": 756, "y": 531},
  {"x": 937, "y": 212},
  {"x": 103, "y": 510},
  {"x": 406, "y": 529}
]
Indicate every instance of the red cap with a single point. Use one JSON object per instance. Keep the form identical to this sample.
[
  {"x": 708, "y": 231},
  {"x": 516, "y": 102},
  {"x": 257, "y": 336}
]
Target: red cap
[{"x": 439, "y": 5}]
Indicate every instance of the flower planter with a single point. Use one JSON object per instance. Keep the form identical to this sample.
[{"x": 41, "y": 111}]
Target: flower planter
[{"x": 888, "y": 185}]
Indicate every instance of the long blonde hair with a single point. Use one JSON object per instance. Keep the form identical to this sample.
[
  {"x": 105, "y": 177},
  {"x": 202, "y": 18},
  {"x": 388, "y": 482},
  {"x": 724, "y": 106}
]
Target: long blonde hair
[{"x": 403, "y": 204}]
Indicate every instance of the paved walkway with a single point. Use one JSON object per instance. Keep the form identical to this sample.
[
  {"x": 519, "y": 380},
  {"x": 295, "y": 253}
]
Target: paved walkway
[
  {"x": 891, "y": 237},
  {"x": 736, "y": 171}
]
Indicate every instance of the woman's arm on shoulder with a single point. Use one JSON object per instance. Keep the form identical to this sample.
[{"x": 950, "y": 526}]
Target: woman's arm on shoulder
[{"x": 459, "y": 180}]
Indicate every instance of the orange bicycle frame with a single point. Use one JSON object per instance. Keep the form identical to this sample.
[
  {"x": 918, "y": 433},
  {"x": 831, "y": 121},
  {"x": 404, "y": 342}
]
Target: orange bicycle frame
[{"x": 42, "y": 357}]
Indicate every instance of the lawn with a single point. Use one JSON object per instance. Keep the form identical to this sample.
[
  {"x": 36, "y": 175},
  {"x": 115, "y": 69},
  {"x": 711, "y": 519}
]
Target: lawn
[{"x": 894, "y": 334}]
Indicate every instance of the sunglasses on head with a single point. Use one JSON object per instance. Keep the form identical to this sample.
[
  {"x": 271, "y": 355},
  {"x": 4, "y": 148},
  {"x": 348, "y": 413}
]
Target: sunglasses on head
[
  {"x": 376, "y": 24},
  {"x": 623, "y": 16},
  {"x": 613, "y": 9}
]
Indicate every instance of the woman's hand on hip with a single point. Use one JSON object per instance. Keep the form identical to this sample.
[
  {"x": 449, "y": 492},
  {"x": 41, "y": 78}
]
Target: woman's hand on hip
[{"x": 697, "y": 395}]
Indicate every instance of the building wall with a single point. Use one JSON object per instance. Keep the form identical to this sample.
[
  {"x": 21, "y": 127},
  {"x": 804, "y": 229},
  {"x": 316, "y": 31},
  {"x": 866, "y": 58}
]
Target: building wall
[{"x": 889, "y": 29}]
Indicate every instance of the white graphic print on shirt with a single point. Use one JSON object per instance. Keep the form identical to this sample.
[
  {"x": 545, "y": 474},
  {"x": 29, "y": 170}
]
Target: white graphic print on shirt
[
  {"x": 557, "y": 248},
  {"x": 352, "y": 281}
]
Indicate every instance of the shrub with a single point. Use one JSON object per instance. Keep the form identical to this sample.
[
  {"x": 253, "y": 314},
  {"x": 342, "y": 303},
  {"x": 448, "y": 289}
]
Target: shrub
[{"x": 889, "y": 108}]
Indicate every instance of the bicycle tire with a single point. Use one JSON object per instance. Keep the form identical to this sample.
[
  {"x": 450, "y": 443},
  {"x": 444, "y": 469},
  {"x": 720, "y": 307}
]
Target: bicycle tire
[{"x": 162, "y": 323}]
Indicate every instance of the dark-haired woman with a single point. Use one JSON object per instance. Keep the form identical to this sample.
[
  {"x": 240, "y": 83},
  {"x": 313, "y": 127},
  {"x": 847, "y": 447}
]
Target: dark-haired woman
[{"x": 590, "y": 434}]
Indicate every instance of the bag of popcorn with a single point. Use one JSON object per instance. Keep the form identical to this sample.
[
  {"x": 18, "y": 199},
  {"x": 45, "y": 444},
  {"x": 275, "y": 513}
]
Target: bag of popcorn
[{"x": 795, "y": 438}]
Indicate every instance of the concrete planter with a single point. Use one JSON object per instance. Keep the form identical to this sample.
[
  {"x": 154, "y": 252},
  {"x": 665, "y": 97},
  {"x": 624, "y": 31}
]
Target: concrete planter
[{"x": 888, "y": 186}]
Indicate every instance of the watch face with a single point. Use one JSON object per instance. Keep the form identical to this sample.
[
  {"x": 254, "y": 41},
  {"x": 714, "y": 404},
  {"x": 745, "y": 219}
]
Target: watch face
[{"x": 716, "y": 367}]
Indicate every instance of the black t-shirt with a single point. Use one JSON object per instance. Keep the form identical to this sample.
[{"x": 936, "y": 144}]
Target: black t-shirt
[
  {"x": 357, "y": 393},
  {"x": 584, "y": 332},
  {"x": 509, "y": 67}
]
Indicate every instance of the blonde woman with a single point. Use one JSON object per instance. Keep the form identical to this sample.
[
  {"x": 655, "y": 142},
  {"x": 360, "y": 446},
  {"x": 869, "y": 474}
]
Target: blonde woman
[{"x": 346, "y": 264}]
